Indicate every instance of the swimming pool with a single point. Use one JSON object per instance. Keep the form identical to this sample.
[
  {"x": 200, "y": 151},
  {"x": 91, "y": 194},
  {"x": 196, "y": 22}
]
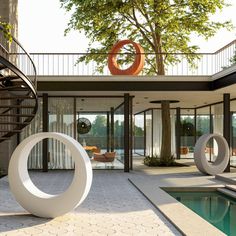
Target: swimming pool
[{"x": 216, "y": 208}]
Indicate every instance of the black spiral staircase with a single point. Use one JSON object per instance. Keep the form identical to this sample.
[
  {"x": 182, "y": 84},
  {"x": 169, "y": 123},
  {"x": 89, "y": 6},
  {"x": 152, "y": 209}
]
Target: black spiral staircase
[{"x": 18, "y": 86}]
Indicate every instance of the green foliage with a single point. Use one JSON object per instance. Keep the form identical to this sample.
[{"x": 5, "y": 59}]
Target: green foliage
[
  {"x": 138, "y": 131},
  {"x": 99, "y": 127},
  {"x": 157, "y": 161},
  {"x": 233, "y": 59},
  {"x": 6, "y": 30},
  {"x": 158, "y": 25}
]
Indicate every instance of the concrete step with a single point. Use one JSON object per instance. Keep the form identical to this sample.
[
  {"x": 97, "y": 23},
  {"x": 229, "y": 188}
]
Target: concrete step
[
  {"x": 228, "y": 178},
  {"x": 231, "y": 187},
  {"x": 227, "y": 192}
]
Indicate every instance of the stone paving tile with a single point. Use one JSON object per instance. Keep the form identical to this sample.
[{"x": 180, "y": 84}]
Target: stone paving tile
[{"x": 113, "y": 207}]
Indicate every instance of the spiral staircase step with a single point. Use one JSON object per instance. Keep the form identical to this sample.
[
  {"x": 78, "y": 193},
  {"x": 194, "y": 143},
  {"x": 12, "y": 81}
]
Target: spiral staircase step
[
  {"x": 9, "y": 77},
  {"x": 16, "y": 106},
  {"x": 17, "y": 115},
  {"x": 13, "y": 123},
  {"x": 2, "y": 67},
  {"x": 12, "y": 131},
  {"x": 15, "y": 88},
  {"x": 18, "y": 95}
]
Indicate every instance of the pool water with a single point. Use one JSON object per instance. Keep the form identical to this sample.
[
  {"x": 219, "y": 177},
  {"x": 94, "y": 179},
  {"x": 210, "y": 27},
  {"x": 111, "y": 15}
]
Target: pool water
[{"x": 216, "y": 208}]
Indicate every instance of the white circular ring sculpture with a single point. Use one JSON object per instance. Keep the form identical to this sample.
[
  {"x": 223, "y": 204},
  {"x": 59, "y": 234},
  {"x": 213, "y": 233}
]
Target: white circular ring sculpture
[
  {"x": 33, "y": 199},
  {"x": 222, "y": 158}
]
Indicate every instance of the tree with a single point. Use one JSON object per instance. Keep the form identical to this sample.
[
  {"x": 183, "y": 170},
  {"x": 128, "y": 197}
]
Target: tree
[
  {"x": 99, "y": 126},
  {"x": 160, "y": 26}
]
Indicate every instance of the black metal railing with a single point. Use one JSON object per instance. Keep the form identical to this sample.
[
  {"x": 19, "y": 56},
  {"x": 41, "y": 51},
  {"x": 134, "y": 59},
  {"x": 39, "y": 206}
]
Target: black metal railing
[
  {"x": 66, "y": 64},
  {"x": 14, "y": 52}
]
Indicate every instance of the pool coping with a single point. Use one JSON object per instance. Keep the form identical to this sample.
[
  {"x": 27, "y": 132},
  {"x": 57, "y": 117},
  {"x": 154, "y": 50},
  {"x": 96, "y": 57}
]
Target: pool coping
[{"x": 188, "y": 223}]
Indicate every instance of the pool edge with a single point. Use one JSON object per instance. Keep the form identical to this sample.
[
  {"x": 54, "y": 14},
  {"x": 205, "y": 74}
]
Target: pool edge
[{"x": 189, "y": 223}]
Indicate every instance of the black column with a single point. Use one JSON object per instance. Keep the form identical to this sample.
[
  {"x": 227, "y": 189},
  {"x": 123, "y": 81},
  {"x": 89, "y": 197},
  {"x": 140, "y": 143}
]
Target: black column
[
  {"x": 75, "y": 121},
  {"x": 108, "y": 131},
  {"x": 177, "y": 132},
  {"x": 112, "y": 130},
  {"x": 45, "y": 129},
  {"x": 226, "y": 123},
  {"x": 18, "y": 120},
  {"x": 195, "y": 126},
  {"x": 144, "y": 133},
  {"x": 131, "y": 128},
  {"x": 126, "y": 132},
  {"x": 211, "y": 132}
]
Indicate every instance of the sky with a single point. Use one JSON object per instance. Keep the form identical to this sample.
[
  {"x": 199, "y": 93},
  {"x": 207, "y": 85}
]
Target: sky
[{"x": 42, "y": 24}]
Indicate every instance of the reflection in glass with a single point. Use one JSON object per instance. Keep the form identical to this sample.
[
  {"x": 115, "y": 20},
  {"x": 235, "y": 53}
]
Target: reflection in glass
[
  {"x": 36, "y": 126},
  {"x": 119, "y": 133},
  {"x": 139, "y": 134},
  {"x": 187, "y": 133},
  {"x": 61, "y": 119},
  {"x": 149, "y": 141}
]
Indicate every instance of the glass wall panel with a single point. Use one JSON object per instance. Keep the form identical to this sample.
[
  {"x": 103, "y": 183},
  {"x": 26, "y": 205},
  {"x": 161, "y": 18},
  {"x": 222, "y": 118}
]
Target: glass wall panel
[
  {"x": 173, "y": 135},
  {"x": 96, "y": 136},
  {"x": 157, "y": 131},
  {"x": 217, "y": 117},
  {"x": 119, "y": 133},
  {"x": 187, "y": 133},
  {"x": 36, "y": 126},
  {"x": 203, "y": 126},
  {"x": 148, "y": 124},
  {"x": 61, "y": 119},
  {"x": 233, "y": 133},
  {"x": 139, "y": 134},
  {"x": 96, "y": 112}
]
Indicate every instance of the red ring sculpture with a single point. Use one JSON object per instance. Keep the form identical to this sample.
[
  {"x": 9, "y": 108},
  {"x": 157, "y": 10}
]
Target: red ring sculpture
[{"x": 135, "y": 68}]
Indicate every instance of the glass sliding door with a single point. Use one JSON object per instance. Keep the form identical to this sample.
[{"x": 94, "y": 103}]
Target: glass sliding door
[
  {"x": 233, "y": 133},
  {"x": 61, "y": 119},
  {"x": 119, "y": 133},
  {"x": 203, "y": 126},
  {"x": 149, "y": 134},
  {"x": 139, "y": 142},
  {"x": 217, "y": 121},
  {"x": 187, "y": 133},
  {"x": 157, "y": 130}
]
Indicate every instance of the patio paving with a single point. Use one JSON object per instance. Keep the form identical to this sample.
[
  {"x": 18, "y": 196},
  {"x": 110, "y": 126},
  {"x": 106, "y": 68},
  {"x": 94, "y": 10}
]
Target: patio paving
[{"x": 113, "y": 207}]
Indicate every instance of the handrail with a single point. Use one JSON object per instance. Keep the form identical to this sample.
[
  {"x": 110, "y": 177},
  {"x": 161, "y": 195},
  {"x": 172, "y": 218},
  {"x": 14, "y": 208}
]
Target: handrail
[
  {"x": 148, "y": 53},
  {"x": 226, "y": 46},
  {"x": 67, "y": 64},
  {"x": 19, "y": 51}
]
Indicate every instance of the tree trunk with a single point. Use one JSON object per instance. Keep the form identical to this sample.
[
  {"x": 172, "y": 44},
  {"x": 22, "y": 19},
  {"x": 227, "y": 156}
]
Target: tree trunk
[
  {"x": 165, "y": 155},
  {"x": 159, "y": 56},
  {"x": 160, "y": 64}
]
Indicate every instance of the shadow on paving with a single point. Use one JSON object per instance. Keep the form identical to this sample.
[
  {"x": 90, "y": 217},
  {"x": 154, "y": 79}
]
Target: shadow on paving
[{"x": 19, "y": 221}]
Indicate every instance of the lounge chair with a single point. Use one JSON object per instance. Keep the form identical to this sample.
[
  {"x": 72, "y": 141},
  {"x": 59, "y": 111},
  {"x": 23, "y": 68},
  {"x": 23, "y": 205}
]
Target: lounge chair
[{"x": 106, "y": 157}]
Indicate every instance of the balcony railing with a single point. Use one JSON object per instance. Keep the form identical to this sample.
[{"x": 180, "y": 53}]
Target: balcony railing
[{"x": 66, "y": 64}]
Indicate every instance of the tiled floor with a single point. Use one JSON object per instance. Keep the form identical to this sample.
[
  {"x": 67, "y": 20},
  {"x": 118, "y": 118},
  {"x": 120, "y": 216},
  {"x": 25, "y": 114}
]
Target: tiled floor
[{"x": 113, "y": 207}]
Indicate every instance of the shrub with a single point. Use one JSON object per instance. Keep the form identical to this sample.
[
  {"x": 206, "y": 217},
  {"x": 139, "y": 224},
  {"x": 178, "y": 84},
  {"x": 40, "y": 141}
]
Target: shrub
[{"x": 156, "y": 161}]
